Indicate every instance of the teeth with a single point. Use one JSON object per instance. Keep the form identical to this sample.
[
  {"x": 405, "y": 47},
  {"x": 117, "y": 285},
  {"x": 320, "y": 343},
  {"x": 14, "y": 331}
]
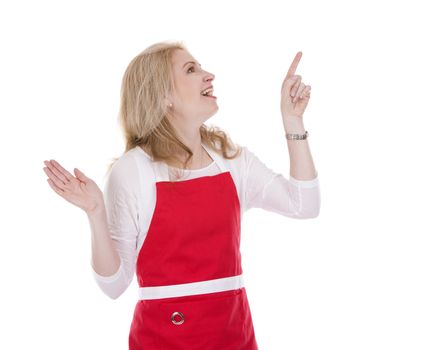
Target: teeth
[{"x": 208, "y": 92}]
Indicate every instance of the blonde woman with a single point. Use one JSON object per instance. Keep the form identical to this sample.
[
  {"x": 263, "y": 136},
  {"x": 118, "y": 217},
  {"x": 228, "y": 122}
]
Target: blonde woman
[{"x": 173, "y": 202}]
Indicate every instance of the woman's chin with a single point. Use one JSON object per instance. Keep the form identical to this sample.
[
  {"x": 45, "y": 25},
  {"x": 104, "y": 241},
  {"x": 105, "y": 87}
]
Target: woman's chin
[{"x": 209, "y": 115}]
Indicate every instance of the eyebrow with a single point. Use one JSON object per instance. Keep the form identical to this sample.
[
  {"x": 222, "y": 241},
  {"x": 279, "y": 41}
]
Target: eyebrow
[{"x": 190, "y": 62}]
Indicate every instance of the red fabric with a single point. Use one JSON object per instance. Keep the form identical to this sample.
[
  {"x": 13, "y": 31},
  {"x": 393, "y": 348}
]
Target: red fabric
[{"x": 194, "y": 236}]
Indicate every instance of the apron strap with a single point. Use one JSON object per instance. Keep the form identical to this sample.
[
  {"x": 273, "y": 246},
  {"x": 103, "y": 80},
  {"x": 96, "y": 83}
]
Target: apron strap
[
  {"x": 194, "y": 288},
  {"x": 216, "y": 157}
]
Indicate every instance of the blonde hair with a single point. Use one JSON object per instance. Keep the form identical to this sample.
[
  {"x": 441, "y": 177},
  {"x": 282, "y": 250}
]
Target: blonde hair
[{"x": 142, "y": 115}]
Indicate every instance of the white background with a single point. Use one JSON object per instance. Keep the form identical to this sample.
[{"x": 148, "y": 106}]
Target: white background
[{"x": 366, "y": 274}]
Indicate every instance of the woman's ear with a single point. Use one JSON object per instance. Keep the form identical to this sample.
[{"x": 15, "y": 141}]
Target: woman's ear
[{"x": 167, "y": 103}]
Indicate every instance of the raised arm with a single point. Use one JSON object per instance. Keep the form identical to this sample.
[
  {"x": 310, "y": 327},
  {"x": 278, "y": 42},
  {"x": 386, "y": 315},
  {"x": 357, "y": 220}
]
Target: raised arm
[
  {"x": 294, "y": 100},
  {"x": 299, "y": 195},
  {"x": 273, "y": 192}
]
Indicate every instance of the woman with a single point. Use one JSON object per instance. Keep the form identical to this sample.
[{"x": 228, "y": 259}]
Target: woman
[{"x": 173, "y": 202}]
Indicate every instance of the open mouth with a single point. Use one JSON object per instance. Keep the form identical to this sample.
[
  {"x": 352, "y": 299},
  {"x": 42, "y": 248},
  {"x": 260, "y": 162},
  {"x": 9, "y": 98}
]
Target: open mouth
[{"x": 208, "y": 93}]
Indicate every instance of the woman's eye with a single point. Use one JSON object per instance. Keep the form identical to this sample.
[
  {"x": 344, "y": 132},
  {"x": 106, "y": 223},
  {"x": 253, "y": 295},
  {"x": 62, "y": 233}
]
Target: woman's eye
[{"x": 190, "y": 68}]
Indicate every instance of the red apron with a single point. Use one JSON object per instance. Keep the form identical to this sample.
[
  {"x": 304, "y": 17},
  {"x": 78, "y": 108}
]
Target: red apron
[{"x": 192, "y": 246}]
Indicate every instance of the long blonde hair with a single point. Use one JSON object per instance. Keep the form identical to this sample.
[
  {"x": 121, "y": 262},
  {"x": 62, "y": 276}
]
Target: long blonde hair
[{"x": 142, "y": 115}]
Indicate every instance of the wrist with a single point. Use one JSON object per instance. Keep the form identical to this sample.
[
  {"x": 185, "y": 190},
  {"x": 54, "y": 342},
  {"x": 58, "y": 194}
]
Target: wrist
[
  {"x": 294, "y": 125},
  {"x": 96, "y": 211},
  {"x": 294, "y": 128}
]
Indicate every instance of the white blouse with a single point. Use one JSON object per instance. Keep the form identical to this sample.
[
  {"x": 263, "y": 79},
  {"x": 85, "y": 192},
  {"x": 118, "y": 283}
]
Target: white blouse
[{"x": 130, "y": 199}]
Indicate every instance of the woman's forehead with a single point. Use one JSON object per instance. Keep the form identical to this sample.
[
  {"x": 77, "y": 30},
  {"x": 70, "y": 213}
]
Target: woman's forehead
[{"x": 182, "y": 57}]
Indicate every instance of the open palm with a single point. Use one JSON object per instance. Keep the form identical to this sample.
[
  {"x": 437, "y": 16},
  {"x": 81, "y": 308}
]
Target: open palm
[{"x": 79, "y": 190}]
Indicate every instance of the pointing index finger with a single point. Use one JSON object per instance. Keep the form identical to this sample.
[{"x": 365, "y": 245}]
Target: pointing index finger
[{"x": 294, "y": 64}]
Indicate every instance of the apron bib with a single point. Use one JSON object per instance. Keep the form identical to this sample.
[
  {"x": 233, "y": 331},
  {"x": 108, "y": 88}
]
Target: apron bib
[{"x": 191, "y": 293}]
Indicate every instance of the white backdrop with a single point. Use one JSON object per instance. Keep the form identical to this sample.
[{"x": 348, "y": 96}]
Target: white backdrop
[{"x": 366, "y": 274}]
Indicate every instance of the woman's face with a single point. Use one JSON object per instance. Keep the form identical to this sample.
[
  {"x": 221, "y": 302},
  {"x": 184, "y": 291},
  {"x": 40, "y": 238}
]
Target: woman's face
[{"x": 190, "y": 80}]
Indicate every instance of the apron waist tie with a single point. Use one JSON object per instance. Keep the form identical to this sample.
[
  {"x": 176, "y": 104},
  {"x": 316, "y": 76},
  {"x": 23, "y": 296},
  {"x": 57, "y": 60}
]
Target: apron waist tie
[{"x": 203, "y": 287}]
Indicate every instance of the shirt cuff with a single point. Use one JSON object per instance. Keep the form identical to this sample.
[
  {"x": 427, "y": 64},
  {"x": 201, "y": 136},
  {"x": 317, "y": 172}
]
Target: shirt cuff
[
  {"x": 108, "y": 279},
  {"x": 305, "y": 183}
]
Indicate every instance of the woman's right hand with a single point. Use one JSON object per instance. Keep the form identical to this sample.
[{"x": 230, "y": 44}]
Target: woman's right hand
[{"x": 78, "y": 190}]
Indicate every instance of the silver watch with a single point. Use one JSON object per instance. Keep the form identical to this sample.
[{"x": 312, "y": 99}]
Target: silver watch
[{"x": 297, "y": 136}]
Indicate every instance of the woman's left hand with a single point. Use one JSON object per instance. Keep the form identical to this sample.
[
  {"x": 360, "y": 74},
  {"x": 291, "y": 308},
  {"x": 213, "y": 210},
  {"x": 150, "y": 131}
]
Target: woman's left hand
[{"x": 294, "y": 93}]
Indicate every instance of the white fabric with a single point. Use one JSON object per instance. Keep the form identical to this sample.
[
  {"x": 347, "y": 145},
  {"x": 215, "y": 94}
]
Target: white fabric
[
  {"x": 177, "y": 290},
  {"x": 130, "y": 198}
]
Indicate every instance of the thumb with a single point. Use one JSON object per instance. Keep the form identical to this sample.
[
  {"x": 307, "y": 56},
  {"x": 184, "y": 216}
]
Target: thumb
[{"x": 81, "y": 176}]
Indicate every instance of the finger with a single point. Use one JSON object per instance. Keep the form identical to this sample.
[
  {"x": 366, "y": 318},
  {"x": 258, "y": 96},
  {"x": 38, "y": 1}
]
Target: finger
[
  {"x": 81, "y": 176},
  {"x": 64, "y": 175},
  {"x": 59, "y": 183},
  {"x": 299, "y": 92},
  {"x": 67, "y": 174},
  {"x": 294, "y": 64},
  {"x": 55, "y": 175},
  {"x": 287, "y": 84},
  {"x": 305, "y": 94},
  {"x": 300, "y": 89},
  {"x": 55, "y": 188},
  {"x": 295, "y": 86}
]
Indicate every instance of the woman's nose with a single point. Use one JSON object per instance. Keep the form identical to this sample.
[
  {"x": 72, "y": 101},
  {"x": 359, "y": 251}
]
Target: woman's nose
[{"x": 209, "y": 76}]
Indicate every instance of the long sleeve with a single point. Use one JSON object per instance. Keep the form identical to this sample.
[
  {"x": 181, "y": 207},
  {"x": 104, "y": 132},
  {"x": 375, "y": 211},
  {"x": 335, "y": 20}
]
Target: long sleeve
[
  {"x": 121, "y": 202},
  {"x": 273, "y": 192},
  {"x": 130, "y": 199}
]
